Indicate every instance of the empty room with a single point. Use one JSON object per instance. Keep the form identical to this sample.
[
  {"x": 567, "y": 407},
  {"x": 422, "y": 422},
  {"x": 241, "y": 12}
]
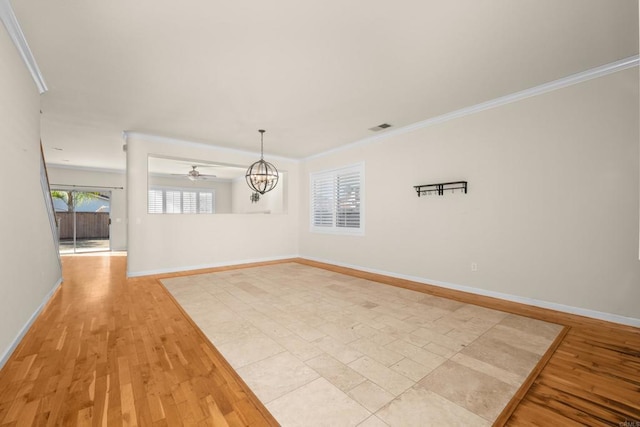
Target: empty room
[{"x": 418, "y": 213}]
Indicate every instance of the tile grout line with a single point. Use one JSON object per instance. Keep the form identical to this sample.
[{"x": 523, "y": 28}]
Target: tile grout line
[{"x": 379, "y": 313}]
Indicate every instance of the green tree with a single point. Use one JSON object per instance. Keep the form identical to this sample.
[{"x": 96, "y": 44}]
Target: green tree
[{"x": 74, "y": 198}]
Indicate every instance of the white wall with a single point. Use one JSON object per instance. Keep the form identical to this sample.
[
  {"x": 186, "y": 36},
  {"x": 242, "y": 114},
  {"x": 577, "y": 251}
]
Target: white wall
[
  {"x": 93, "y": 178},
  {"x": 160, "y": 243},
  {"x": 552, "y": 209},
  {"x": 28, "y": 263}
]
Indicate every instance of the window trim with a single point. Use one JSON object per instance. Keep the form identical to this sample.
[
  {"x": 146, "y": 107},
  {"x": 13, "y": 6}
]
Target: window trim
[{"x": 331, "y": 174}]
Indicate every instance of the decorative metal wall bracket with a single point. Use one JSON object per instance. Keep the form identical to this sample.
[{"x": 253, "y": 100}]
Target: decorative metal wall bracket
[{"x": 440, "y": 188}]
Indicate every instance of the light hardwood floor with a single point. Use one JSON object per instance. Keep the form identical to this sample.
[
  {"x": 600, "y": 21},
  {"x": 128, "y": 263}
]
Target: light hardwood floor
[
  {"x": 112, "y": 351},
  {"x": 117, "y": 351}
]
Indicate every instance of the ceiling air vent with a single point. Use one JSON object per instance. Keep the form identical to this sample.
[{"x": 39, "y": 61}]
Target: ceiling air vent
[{"x": 380, "y": 127}]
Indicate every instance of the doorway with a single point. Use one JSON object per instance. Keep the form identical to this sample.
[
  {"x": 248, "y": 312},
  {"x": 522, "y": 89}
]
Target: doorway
[{"x": 83, "y": 220}]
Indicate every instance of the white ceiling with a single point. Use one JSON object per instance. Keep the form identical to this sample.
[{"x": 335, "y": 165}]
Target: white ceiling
[{"x": 315, "y": 75}]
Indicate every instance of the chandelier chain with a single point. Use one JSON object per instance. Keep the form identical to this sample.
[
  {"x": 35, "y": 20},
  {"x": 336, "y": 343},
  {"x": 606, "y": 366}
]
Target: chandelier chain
[{"x": 261, "y": 144}]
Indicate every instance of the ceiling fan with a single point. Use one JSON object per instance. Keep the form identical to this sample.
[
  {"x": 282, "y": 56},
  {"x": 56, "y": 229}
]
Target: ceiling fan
[{"x": 195, "y": 175}]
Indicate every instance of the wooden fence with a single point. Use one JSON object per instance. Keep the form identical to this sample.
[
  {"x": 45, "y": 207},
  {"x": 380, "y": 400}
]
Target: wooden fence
[{"x": 89, "y": 225}]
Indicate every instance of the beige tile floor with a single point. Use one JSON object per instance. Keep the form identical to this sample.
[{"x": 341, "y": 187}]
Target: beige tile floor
[{"x": 322, "y": 348}]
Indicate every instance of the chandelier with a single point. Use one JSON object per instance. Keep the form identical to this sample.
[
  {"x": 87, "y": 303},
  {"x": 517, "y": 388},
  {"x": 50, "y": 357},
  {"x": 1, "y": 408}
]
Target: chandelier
[{"x": 262, "y": 176}]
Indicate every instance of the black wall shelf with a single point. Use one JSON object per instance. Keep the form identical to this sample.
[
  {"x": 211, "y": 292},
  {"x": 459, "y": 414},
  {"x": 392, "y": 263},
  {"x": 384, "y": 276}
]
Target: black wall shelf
[{"x": 440, "y": 188}]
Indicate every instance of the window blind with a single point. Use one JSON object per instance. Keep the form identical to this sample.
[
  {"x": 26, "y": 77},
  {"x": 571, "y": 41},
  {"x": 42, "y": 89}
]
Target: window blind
[
  {"x": 336, "y": 200},
  {"x": 206, "y": 203},
  {"x": 155, "y": 201},
  {"x": 189, "y": 202},
  {"x": 175, "y": 200}
]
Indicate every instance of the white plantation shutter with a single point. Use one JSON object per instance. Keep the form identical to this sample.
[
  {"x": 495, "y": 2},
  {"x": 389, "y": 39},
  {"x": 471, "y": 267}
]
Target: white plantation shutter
[
  {"x": 177, "y": 200},
  {"x": 206, "y": 202},
  {"x": 348, "y": 199},
  {"x": 189, "y": 202},
  {"x": 173, "y": 204},
  {"x": 155, "y": 201},
  {"x": 336, "y": 200},
  {"x": 323, "y": 200}
]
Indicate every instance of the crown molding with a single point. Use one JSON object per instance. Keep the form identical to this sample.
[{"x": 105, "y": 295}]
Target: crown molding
[
  {"x": 185, "y": 143},
  {"x": 8, "y": 18},
  {"x": 573, "y": 79}
]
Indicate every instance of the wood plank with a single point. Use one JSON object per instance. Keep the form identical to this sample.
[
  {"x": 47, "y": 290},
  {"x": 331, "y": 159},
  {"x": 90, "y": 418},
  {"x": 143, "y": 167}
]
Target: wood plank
[
  {"x": 526, "y": 385},
  {"x": 533, "y": 414},
  {"x": 586, "y": 383},
  {"x": 107, "y": 350},
  {"x": 563, "y": 402}
]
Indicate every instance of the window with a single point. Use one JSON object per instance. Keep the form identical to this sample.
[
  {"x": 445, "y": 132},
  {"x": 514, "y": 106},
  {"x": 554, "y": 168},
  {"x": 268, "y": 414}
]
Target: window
[
  {"x": 176, "y": 200},
  {"x": 155, "y": 201},
  {"x": 189, "y": 204},
  {"x": 206, "y": 202},
  {"x": 172, "y": 201},
  {"x": 336, "y": 200}
]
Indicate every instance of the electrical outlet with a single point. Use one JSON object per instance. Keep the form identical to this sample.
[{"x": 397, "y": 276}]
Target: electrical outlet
[{"x": 474, "y": 266}]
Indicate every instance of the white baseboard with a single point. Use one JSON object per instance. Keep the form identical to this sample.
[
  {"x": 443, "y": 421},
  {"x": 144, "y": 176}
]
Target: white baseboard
[
  {"x": 609, "y": 317},
  {"x": 204, "y": 266},
  {"x": 9, "y": 351}
]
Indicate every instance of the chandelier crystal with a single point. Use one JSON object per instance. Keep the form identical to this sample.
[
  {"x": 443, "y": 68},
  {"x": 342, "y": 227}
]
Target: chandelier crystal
[{"x": 262, "y": 176}]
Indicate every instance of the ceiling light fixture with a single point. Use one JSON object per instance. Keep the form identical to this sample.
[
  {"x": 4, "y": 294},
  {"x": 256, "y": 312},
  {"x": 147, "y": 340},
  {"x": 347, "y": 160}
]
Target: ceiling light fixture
[{"x": 262, "y": 176}]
